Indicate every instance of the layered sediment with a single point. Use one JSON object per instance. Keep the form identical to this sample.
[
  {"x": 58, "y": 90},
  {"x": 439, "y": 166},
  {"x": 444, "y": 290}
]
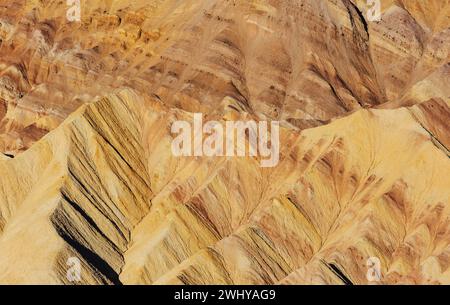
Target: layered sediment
[{"x": 87, "y": 171}]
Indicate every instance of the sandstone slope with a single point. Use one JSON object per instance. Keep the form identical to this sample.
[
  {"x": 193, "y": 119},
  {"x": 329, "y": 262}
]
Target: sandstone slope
[
  {"x": 104, "y": 187},
  {"x": 86, "y": 168},
  {"x": 304, "y": 62}
]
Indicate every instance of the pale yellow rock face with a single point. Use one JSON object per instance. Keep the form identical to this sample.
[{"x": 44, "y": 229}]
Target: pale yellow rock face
[{"x": 87, "y": 171}]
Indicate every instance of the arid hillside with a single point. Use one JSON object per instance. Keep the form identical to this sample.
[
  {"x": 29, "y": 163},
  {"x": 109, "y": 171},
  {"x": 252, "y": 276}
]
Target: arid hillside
[{"x": 87, "y": 170}]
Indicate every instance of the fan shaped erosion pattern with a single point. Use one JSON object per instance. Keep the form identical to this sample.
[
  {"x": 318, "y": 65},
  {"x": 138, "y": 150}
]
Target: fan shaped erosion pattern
[{"x": 87, "y": 171}]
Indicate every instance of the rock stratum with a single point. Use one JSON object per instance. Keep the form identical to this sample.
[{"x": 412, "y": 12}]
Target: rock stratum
[{"x": 87, "y": 171}]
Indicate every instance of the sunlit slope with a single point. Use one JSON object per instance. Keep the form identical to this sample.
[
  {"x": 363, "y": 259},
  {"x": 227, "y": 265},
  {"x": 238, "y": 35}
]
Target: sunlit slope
[
  {"x": 105, "y": 188},
  {"x": 305, "y": 62}
]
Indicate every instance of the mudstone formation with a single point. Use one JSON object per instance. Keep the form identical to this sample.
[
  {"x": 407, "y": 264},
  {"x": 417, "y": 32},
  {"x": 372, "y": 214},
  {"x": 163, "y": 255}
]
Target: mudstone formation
[{"x": 86, "y": 168}]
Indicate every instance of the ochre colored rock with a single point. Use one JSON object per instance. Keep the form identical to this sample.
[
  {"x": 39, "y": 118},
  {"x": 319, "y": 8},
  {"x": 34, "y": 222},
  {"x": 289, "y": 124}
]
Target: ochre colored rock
[
  {"x": 305, "y": 62},
  {"x": 105, "y": 184},
  {"x": 87, "y": 172}
]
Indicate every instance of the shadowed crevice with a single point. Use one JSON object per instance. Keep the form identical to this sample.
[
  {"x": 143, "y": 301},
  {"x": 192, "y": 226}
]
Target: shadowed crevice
[
  {"x": 61, "y": 222},
  {"x": 335, "y": 269}
]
